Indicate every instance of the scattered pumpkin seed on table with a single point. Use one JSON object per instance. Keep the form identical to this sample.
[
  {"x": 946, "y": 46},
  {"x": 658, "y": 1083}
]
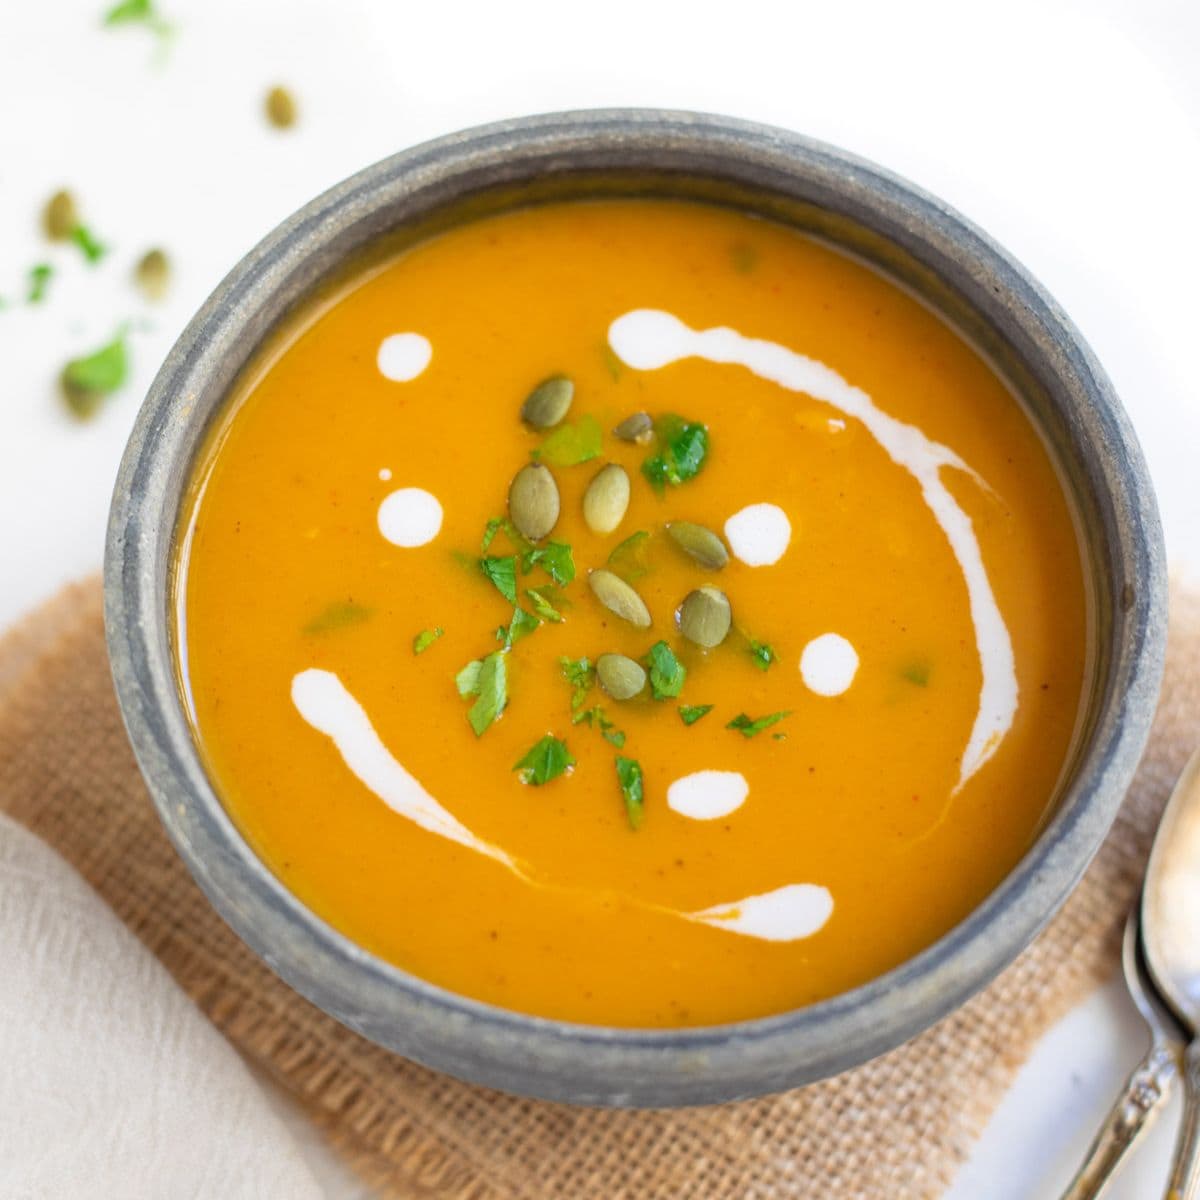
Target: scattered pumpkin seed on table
[
  {"x": 607, "y": 499},
  {"x": 153, "y": 274},
  {"x": 280, "y": 106},
  {"x": 548, "y": 403},
  {"x": 533, "y": 502},
  {"x": 619, "y": 676},
  {"x": 60, "y": 217},
  {"x": 705, "y": 617},
  {"x": 619, "y": 598},
  {"x": 700, "y": 543}
]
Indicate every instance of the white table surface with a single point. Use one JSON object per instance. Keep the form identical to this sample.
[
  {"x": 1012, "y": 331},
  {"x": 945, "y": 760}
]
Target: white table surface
[{"x": 1069, "y": 130}]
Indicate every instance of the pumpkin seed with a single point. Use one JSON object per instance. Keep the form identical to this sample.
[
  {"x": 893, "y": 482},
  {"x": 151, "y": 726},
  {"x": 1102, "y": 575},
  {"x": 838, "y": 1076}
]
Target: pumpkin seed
[
  {"x": 152, "y": 274},
  {"x": 701, "y": 543},
  {"x": 618, "y": 597},
  {"x": 620, "y": 677},
  {"x": 533, "y": 501},
  {"x": 606, "y": 499},
  {"x": 280, "y": 106},
  {"x": 60, "y": 217},
  {"x": 638, "y": 428},
  {"x": 548, "y": 403},
  {"x": 705, "y": 617}
]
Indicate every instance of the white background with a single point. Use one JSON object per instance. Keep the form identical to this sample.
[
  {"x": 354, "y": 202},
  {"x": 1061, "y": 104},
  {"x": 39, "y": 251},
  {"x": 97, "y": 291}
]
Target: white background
[{"x": 1069, "y": 130}]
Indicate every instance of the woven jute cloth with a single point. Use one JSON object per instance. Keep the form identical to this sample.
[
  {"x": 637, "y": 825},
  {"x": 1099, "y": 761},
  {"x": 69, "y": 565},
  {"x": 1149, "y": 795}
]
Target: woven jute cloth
[{"x": 893, "y": 1129}]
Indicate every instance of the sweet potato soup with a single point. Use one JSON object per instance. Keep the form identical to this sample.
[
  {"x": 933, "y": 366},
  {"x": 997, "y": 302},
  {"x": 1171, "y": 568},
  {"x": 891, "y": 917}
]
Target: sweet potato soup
[{"x": 632, "y": 612}]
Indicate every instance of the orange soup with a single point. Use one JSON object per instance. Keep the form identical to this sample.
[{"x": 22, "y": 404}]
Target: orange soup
[{"x": 632, "y": 612}]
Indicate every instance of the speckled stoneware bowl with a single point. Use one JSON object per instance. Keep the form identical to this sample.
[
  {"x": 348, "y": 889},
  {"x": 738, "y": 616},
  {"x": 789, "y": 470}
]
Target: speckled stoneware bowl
[{"x": 910, "y": 235}]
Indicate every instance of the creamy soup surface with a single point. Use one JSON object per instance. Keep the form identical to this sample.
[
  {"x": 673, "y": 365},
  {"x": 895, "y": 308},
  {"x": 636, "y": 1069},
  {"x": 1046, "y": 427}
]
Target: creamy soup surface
[{"x": 396, "y": 692}]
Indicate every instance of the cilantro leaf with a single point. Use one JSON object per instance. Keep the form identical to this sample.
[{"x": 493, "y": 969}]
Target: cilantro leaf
[
  {"x": 426, "y": 638},
  {"x": 667, "y": 673},
  {"x": 629, "y": 776},
  {"x": 682, "y": 449},
  {"x": 547, "y": 759},
  {"x": 489, "y": 684},
  {"x": 594, "y": 718},
  {"x": 628, "y": 559},
  {"x": 763, "y": 654},
  {"x": 750, "y": 728},
  {"x": 916, "y": 673},
  {"x": 689, "y": 714},
  {"x": 503, "y": 573},
  {"x": 570, "y": 444},
  {"x": 39, "y": 278},
  {"x": 521, "y": 624},
  {"x": 580, "y": 673},
  {"x": 540, "y": 599},
  {"x": 338, "y": 615},
  {"x": 93, "y": 249},
  {"x": 138, "y": 12},
  {"x": 88, "y": 380},
  {"x": 554, "y": 558},
  {"x": 497, "y": 525}
]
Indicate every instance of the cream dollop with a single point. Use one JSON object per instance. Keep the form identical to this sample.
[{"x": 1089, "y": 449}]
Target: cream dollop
[
  {"x": 410, "y": 517},
  {"x": 759, "y": 534},
  {"x": 706, "y": 795},
  {"x": 403, "y": 356},
  {"x": 789, "y": 913},
  {"x": 828, "y": 664}
]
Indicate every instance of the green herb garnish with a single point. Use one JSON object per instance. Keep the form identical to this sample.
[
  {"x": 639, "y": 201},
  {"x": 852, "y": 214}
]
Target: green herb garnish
[
  {"x": 629, "y": 776},
  {"x": 689, "y": 714},
  {"x": 594, "y": 718},
  {"x": 426, "y": 638},
  {"x": 667, "y": 673},
  {"x": 580, "y": 673},
  {"x": 487, "y": 680},
  {"x": 762, "y": 654},
  {"x": 39, "y": 278},
  {"x": 521, "y": 624},
  {"x": 554, "y": 558},
  {"x": 744, "y": 257},
  {"x": 93, "y": 249},
  {"x": 615, "y": 366},
  {"x": 541, "y": 599},
  {"x": 497, "y": 524},
  {"x": 572, "y": 444},
  {"x": 545, "y": 760},
  {"x": 683, "y": 447},
  {"x": 138, "y": 12},
  {"x": 628, "y": 559},
  {"x": 339, "y": 615},
  {"x": 502, "y": 571},
  {"x": 751, "y": 728},
  {"x": 88, "y": 380},
  {"x": 916, "y": 673}
]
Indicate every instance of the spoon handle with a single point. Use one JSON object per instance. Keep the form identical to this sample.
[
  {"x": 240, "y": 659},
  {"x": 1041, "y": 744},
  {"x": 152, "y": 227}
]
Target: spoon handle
[
  {"x": 1131, "y": 1115},
  {"x": 1185, "y": 1170}
]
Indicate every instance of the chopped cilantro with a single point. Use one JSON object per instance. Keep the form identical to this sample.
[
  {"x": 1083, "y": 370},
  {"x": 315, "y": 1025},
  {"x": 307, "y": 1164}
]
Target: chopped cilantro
[
  {"x": 628, "y": 559},
  {"x": 594, "y": 718},
  {"x": 580, "y": 673},
  {"x": 497, "y": 524},
  {"x": 689, "y": 714},
  {"x": 667, "y": 673},
  {"x": 570, "y": 444},
  {"x": 487, "y": 681},
  {"x": 554, "y": 558},
  {"x": 338, "y": 615},
  {"x": 39, "y": 278},
  {"x": 503, "y": 573},
  {"x": 629, "y": 776},
  {"x": 916, "y": 673},
  {"x": 615, "y": 366},
  {"x": 540, "y": 598},
  {"x": 750, "y": 728},
  {"x": 521, "y": 624},
  {"x": 682, "y": 449},
  {"x": 744, "y": 257},
  {"x": 426, "y": 638},
  {"x": 763, "y": 654},
  {"x": 138, "y": 12},
  {"x": 88, "y": 380},
  {"x": 93, "y": 249},
  {"x": 547, "y": 759}
]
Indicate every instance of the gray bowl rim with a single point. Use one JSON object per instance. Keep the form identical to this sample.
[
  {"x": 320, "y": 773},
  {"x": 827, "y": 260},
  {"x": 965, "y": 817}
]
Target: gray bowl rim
[{"x": 561, "y": 1060}]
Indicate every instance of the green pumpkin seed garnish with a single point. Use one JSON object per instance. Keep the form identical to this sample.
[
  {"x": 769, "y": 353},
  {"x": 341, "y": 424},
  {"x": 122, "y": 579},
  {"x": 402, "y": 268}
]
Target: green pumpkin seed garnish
[
  {"x": 702, "y": 544},
  {"x": 606, "y": 499},
  {"x": 705, "y": 617},
  {"x": 548, "y": 403},
  {"x": 637, "y": 428},
  {"x": 153, "y": 274},
  {"x": 619, "y": 598},
  {"x": 60, "y": 216},
  {"x": 620, "y": 677},
  {"x": 280, "y": 107},
  {"x": 533, "y": 501}
]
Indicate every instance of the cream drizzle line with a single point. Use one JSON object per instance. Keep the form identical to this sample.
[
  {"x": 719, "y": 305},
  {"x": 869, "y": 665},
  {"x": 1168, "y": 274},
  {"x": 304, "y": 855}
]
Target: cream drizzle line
[
  {"x": 786, "y": 914},
  {"x": 647, "y": 339}
]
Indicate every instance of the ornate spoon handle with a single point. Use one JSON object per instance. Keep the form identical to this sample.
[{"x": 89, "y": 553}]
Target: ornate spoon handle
[
  {"x": 1185, "y": 1171},
  {"x": 1133, "y": 1113}
]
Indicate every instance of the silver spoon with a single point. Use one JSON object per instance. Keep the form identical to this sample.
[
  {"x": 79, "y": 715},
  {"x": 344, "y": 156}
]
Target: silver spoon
[
  {"x": 1171, "y": 941},
  {"x": 1145, "y": 1091}
]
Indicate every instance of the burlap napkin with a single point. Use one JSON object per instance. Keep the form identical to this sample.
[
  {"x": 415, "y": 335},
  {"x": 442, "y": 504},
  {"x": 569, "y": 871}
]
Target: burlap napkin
[{"x": 896, "y": 1128}]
